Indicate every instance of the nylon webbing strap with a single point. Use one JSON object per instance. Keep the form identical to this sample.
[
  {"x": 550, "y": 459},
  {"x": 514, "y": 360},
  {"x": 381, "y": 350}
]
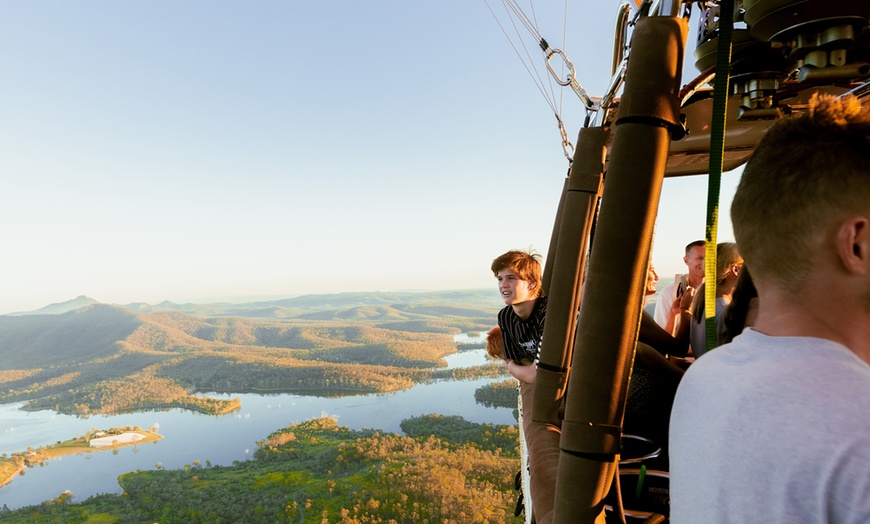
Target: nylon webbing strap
[
  {"x": 554, "y": 369},
  {"x": 717, "y": 154}
]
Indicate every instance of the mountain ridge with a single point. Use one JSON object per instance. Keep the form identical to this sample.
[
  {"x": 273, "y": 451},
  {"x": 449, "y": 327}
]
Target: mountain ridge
[
  {"x": 58, "y": 307},
  {"x": 100, "y": 357},
  {"x": 293, "y": 307}
]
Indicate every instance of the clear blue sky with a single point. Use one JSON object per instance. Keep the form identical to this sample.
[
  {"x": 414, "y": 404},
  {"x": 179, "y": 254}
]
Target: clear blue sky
[{"x": 199, "y": 150}]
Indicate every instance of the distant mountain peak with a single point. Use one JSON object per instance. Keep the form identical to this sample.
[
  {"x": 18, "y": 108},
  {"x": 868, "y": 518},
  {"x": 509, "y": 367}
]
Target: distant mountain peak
[{"x": 63, "y": 307}]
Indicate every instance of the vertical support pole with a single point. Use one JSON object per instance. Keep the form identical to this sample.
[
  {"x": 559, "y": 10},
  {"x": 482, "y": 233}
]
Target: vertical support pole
[
  {"x": 609, "y": 319},
  {"x": 547, "y": 277},
  {"x": 566, "y": 262}
]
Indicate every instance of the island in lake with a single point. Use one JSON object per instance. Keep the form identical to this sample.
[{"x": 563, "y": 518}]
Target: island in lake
[{"x": 97, "y": 440}]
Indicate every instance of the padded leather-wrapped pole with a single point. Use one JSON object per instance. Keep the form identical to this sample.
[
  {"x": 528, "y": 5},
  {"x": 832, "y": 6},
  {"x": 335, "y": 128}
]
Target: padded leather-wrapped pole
[
  {"x": 565, "y": 263},
  {"x": 609, "y": 319}
]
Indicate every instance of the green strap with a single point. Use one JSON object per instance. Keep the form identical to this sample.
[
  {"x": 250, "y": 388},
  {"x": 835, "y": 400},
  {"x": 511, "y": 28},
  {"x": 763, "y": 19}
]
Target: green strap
[
  {"x": 638, "y": 491},
  {"x": 717, "y": 153}
]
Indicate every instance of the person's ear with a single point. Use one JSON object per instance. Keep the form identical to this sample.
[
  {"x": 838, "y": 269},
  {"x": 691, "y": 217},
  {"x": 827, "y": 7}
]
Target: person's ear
[{"x": 853, "y": 244}]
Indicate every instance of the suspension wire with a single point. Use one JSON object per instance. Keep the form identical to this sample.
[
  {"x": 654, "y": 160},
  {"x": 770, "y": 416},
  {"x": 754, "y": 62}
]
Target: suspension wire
[
  {"x": 545, "y": 47},
  {"x": 542, "y": 43},
  {"x": 539, "y": 83},
  {"x": 532, "y": 26},
  {"x": 515, "y": 13},
  {"x": 534, "y": 16},
  {"x": 524, "y": 19},
  {"x": 564, "y": 43}
]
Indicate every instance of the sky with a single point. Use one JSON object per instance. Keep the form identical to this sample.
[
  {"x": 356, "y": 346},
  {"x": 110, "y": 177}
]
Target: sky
[{"x": 212, "y": 150}]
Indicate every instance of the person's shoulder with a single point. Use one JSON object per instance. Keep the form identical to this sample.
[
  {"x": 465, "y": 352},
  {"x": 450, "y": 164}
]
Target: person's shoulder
[
  {"x": 798, "y": 346},
  {"x": 540, "y": 310},
  {"x": 721, "y": 361},
  {"x": 669, "y": 288},
  {"x": 779, "y": 357}
]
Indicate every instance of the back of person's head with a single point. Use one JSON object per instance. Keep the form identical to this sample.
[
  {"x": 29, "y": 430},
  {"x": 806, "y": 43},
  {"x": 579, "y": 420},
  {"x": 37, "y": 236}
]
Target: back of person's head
[
  {"x": 807, "y": 173},
  {"x": 737, "y": 314},
  {"x": 727, "y": 256},
  {"x": 526, "y": 264}
]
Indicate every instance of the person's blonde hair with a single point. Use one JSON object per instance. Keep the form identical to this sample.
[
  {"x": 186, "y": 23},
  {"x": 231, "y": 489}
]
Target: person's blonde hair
[
  {"x": 807, "y": 172},
  {"x": 726, "y": 256}
]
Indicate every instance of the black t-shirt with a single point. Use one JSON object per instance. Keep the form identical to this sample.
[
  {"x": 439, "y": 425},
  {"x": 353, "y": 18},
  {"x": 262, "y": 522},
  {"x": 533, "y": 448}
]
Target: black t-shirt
[{"x": 522, "y": 338}]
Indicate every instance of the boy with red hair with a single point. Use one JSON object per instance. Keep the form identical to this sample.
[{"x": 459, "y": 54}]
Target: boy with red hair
[{"x": 521, "y": 322}]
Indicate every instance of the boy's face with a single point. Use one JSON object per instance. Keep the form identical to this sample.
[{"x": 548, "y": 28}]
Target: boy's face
[{"x": 514, "y": 290}]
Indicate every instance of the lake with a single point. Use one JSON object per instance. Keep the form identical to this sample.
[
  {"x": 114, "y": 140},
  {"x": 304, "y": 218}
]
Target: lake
[{"x": 190, "y": 436}]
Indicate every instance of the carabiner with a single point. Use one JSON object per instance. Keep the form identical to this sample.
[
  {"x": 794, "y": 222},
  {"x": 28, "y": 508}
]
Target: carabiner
[
  {"x": 567, "y": 146},
  {"x": 568, "y": 64},
  {"x": 570, "y": 79}
]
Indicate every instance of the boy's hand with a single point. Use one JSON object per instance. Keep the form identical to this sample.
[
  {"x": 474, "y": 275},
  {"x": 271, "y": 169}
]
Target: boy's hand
[{"x": 522, "y": 373}]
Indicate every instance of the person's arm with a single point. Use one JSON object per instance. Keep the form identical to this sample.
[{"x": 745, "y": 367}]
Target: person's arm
[
  {"x": 663, "y": 306},
  {"x": 681, "y": 303},
  {"x": 652, "y": 359},
  {"x": 673, "y": 315},
  {"x": 663, "y": 342},
  {"x": 522, "y": 373}
]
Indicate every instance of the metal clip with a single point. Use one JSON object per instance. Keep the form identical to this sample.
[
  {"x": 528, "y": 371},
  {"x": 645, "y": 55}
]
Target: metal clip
[
  {"x": 567, "y": 146},
  {"x": 570, "y": 79},
  {"x": 550, "y": 53}
]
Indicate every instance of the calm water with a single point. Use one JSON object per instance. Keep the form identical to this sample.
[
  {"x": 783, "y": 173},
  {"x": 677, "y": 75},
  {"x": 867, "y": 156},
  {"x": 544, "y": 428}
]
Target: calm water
[{"x": 223, "y": 439}]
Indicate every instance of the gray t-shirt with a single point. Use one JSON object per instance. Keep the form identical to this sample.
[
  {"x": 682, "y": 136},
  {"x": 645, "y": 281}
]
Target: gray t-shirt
[
  {"x": 772, "y": 429},
  {"x": 698, "y": 330}
]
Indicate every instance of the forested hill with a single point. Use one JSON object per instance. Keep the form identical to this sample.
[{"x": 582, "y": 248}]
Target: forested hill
[
  {"x": 102, "y": 358},
  {"x": 88, "y": 333}
]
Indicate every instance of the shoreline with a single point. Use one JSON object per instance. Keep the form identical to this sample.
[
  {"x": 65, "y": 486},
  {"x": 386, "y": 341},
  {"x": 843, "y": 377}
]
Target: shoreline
[{"x": 75, "y": 446}]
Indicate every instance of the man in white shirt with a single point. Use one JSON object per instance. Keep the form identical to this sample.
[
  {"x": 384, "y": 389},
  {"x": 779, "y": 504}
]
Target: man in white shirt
[
  {"x": 694, "y": 260},
  {"x": 775, "y": 426}
]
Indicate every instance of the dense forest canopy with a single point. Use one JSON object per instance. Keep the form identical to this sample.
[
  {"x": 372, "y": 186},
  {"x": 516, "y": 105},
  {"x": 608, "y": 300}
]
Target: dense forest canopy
[{"x": 447, "y": 471}]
